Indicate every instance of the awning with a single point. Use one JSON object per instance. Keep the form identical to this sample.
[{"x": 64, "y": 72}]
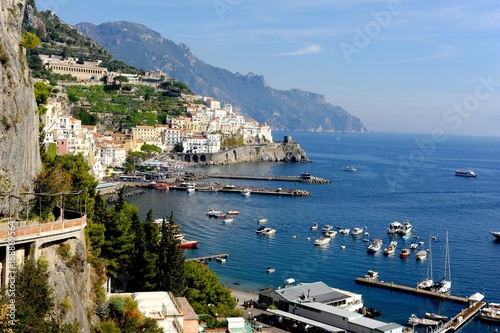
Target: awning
[{"x": 311, "y": 322}]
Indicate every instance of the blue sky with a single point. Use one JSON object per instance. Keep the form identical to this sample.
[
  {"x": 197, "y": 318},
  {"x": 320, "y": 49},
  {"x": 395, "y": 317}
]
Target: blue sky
[{"x": 400, "y": 65}]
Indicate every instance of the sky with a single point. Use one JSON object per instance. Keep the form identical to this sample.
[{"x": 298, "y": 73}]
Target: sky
[{"x": 403, "y": 66}]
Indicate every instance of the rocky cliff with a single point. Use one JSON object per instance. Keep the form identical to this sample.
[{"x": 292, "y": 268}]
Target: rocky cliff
[
  {"x": 272, "y": 152},
  {"x": 19, "y": 153}
]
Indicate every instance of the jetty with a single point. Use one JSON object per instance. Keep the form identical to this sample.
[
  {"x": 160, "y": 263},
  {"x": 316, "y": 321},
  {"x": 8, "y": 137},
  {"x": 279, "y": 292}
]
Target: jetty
[
  {"x": 460, "y": 319},
  {"x": 239, "y": 190},
  {"x": 210, "y": 257},
  {"x": 411, "y": 290},
  {"x": 304, "y": 178}
]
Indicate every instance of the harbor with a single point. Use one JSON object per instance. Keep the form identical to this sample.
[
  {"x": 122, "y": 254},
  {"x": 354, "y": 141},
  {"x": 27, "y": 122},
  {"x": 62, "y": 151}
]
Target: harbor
[{"x": 411, "y": 290}]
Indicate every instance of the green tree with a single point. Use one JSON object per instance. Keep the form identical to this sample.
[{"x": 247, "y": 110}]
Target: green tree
[
  {"x": 171, "y": 259},
  {"x": 178, "y": 148},
  {"x": 96, "y": 225},
  {"x": 150, "y": 149},
  {"x": 52, "y": 180},
  {"x": 206, "y": 294},
  {"x": 29, "y": 40},
  {"x": 145, "y": 256},
  {"x": 42, "y": 92},
  {"x": 34, "y": 299}
]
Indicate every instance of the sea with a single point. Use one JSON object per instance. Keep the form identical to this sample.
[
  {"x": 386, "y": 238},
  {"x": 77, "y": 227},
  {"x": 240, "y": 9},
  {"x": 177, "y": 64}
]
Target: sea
[{"x": 399, "y": 177}]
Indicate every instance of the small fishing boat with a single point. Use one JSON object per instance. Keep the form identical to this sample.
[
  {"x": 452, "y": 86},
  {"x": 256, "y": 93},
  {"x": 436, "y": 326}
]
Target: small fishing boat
[
  {"x": 421, "y": 255},
  {"x": 271, "y": 270},
  {"x": 262, "y": 221},
  {"x": 405, "y": 253}
]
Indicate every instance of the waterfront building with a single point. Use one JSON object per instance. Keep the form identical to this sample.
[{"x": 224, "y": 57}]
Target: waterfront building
[{"x": 319, "y": 305}]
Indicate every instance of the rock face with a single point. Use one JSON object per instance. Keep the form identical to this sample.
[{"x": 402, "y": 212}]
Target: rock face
[
  {"x": 273, "y": 152},
  {"x": 70, "y": 283},
  {"x": 19, "y": 152}
]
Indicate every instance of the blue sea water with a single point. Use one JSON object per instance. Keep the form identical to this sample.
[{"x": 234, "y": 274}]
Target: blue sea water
[{"x": 399, "y": 177}]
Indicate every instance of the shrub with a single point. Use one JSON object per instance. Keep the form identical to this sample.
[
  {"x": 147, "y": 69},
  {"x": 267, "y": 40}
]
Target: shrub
[{"x": 63, "y": 250}]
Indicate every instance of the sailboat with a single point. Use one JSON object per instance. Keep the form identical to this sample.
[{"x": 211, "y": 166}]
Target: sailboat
[
  {"x": 443, "y": 286},
  {"x": 428, "y": 283}
]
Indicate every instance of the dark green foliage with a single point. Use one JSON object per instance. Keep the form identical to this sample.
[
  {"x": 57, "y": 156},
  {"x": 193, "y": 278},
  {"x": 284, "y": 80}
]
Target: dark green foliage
[
  {"x": 34, "y": 298},
  {"x": 171, "y": 259},
  {"x": 179, "y": 148},
  {"x": 204, "y": 288},
  {"x": 42, "y": 92},
  {"x": 85, "y": 117}
]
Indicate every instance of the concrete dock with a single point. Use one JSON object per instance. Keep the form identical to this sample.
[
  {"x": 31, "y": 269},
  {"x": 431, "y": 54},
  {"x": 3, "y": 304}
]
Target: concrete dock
[
  {"x": 460, "y": 319},
  {"x": 210, "y": 257},
  {"x": 411, "y": 290},
  {"x": 238, "y": 190},
  {"x": 303, "y": 179}
]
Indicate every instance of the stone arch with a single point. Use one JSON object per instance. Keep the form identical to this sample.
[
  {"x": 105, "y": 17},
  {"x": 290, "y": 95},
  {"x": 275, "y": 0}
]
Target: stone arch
[
  {"x": 187, "y": 158},
  {"x": 203, "y": 158},
  {"x": 195, "y": 159}
]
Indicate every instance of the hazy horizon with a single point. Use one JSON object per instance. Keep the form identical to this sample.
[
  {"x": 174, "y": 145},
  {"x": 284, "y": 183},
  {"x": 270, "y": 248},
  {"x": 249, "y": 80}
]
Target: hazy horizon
[{"x": 400, "y": 66}]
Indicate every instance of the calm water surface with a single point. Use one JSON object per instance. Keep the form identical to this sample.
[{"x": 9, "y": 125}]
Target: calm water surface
[{"x": 399, "y": 177}]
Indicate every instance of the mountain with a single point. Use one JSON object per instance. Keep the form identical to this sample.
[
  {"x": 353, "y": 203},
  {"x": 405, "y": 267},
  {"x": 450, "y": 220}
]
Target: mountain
[{"x": 293, "y": 110}]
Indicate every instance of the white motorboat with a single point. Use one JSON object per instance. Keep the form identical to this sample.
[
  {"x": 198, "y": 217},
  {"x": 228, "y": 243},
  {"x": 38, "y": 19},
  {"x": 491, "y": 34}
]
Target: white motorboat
[
  {"x": 344, "y": 231},
  {"x": 435, "y": 316},
  {"x": 314, "y": 226},
  {"x": 268, "y": 232},
  {"x": 413, "y": 246},
  {"x": 421, "y": 255},
  {"x": 405, "y": 228},
  {"x": 391, "y": 248},
  {"x": 331, "y": 233},
  {"x": 496, "y": 234},
  {"x": 246, "y": 192},
  {"x": 271, "y": 270},
  {"x": 349, "y": 168},
  {"x": 228, "y": 220},
  {"x": 326, "y": 228},
  {"x": 371, "y": 275},
  {"x": 356, "y": 231},
  {"x": 465, "y": 173},
  {"x": 322, "y": 241},
  {"x": 375, "y": 246},
  {"x": 415, "y": 321},
  {"x": 260, "y": 229},
  {"x": 394, "y": 228},
  {"x": 261, "y": 220},
  {"x": 190, "y": 187},
  {"x": 214, "y": 213}
]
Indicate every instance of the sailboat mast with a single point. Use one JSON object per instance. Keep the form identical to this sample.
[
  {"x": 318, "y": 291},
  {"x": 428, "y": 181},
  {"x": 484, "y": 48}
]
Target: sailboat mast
[{"x": 429, "y": 267}]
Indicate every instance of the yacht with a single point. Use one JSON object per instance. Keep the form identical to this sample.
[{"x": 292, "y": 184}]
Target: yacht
[
  {"x": 322, "y": 241},
  {"x": 443, "y": 286},
  {"x": 349, "y": 168},
  {"x": 268, "y": 232},
  {"x": 190, "y": 188},
  {"x": 496, "y": 234},
  {"x": 428, "y": 283},
  {"x": 394, "y": 228},
  {"x": 331, "y": 233},
  {"x": 356, "y": 231},
  {"x": 391, "y": 248},
  {"x": 326, "y": 228},
  {"x": 405, "y": 228},
  {"x": 375, "y": 246},
  {"x": 465, "y": 173}
]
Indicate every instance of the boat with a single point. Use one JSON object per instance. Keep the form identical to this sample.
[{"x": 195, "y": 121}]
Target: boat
[
  {"x": 344, "y": 231},
  {"x": 228, "y": 220},
  {"x": 391, "y": 248},
  {"x": 421, "y": 255},
  {"x": 394, "y": 228},
  {"x": 261, "y": 220},
  {"x": 229, "y": 186},
  {"x": 413, "y": 246},
  {"x": 232, "y": 212},
  {"x": 214, "y": 213},
  {"x": 190, "y": 187},
  {"x": 260, "y": 229},
  {"x": 415, "y": 321},
  {"x": 443, "y": 286},
  {"x": 490, "y": 316},
  {"x": 314, "y": 226},
  {"x": 405, "y": 228},
  {"x": 331, "y": 233},
  {"x": 220, "y": 216},
  {"x": 271, "y": 270},
  {"x": 322, "y": 241},
  {"x": 188, "y": 244},
  {"x": 356, "y": 231},
  {"x": 246, "y": 192},
  {"x": 342, "y": 246},
  {"x": 326, "y": 228},
  {"x": 371, "y": 275},
  {"x": 496, "y": 234},
  {"x": 161, "y": 186},
  {"x": 435, "y": 316},
  {"x": 428, "y": 283},
  {"x": 465, "y": 173},
  {"x": 220, "y": 259},
  {"x": 268, "y": 232},
  {"x": 375, "y": 245},
  {"x": 349, "y": 168},
  {"x": 405, "y": 253}
]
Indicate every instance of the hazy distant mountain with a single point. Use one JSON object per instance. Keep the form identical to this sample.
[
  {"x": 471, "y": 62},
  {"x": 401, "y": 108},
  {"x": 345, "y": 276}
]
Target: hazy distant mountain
[{"x": 294, "y": 110}]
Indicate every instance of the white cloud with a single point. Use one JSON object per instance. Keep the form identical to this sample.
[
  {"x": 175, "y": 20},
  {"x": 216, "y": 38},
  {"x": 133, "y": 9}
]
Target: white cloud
[{"x": 313, "y": 48}]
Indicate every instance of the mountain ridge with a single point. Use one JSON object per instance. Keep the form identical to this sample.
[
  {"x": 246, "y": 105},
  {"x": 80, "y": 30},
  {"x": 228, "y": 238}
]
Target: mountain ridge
[{"x": 291, "y": 110}]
